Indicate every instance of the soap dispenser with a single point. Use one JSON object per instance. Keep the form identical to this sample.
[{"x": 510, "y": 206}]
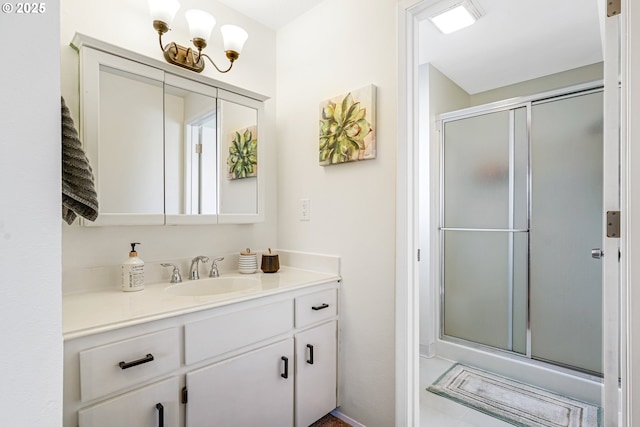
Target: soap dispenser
[{"x": 133, "y": 271}]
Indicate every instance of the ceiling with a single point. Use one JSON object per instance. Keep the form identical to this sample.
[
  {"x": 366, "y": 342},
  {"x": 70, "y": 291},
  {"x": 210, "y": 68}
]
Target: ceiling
[
  {"x": 272, "y": 13},
  {"x": 515, "y": 40}
]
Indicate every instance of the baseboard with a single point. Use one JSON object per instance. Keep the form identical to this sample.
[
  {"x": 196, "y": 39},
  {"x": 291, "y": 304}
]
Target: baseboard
[{"x": 336, "y": 413}]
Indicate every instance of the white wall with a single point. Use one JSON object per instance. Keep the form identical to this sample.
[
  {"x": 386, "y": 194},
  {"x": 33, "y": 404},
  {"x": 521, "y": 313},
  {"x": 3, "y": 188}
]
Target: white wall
[
  {"x": 585, "y": 74},
  {"x": 334, "y": 48},
  {"x": 30, "y": 216},
  {"x": 128, "y": 25}
]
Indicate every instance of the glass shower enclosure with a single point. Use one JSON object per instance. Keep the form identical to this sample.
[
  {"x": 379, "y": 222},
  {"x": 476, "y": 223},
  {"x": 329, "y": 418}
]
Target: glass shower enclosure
[{"x": 521, "y": 209}]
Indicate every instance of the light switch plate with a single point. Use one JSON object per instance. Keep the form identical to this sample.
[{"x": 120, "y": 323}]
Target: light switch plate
[{"x": 305, "y": 210}]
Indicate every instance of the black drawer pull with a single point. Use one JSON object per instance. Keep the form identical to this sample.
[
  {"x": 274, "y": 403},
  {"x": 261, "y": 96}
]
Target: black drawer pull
[
  {"x": 310, "y": 359},
  {"x": 320, "y": 307},
  {"x": 126, "y": 365},
  {"x": 286, "y": 367},
  {"x": 160, "y": 409}
]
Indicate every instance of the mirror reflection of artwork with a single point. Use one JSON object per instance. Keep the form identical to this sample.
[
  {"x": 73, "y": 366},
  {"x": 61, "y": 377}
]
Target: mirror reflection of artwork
[
  {"x": 243, "y": 154},
  {"x": 347, "y": 127}
]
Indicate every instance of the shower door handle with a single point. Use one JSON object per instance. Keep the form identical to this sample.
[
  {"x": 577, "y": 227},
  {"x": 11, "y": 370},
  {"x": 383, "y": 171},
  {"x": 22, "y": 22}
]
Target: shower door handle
[{"x": 597, "y": 253}]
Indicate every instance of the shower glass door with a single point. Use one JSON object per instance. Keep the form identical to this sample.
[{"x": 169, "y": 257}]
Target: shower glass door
[
  {"x": 521, "y": 210},
  {"x": 566, "y": 223},
  {"x": 484, "y": 235}
]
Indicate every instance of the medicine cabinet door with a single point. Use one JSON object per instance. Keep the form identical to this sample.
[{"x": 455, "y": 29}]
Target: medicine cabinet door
[
  {"x": 241, "y": 176},
  {"x": 122, "y": 116},
  {"x": 191, "y": 152}
]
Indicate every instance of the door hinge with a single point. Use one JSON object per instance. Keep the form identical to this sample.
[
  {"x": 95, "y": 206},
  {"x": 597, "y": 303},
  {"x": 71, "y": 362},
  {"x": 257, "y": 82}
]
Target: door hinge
[
  {"x": 418, "y": 254},
  {"x": 613, "y": 224},
  {"x": 183, "y": 397},
  {"x": 198, "y": 148},
  {"x": 614, "y": 7}
]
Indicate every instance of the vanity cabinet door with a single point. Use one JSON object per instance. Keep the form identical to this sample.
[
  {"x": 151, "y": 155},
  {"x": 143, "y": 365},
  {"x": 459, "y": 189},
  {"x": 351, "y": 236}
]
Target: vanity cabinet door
[
  {"x": 254, "y": 389},
  {"x": 152, "y": 406},
  {"x": 316, "y": 373}
]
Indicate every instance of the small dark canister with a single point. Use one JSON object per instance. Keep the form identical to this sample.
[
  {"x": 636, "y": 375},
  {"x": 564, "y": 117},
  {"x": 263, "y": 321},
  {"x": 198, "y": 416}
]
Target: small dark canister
[{"x": 270, "y": 262}]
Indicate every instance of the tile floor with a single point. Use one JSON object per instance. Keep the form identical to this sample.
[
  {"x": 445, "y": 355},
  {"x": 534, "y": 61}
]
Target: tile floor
[{"x": 437, "y": 411}]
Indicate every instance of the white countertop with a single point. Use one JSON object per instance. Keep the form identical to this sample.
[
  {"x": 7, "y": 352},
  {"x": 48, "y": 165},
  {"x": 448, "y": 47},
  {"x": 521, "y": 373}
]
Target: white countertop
[{"x": 97, "y": 311}]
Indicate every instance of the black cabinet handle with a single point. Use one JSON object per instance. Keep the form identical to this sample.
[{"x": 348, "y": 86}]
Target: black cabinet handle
[
  {"x": 320, "y": 307},
  {"x": 310, "y": 359},
  {"x": 286, "y": 367},
  {"x": 160, "y": 409},
  {"x": 126, "y": 365}
]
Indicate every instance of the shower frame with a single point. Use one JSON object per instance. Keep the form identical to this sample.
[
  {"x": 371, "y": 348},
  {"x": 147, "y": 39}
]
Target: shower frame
[{"x": 506, "y": 105}]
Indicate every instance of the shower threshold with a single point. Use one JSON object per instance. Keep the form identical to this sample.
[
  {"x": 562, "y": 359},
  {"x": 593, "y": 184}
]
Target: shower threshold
[{"x": 578, "y": 384}]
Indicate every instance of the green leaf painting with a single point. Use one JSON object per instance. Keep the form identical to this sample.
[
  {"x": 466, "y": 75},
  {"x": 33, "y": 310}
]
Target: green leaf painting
[
  {"x": 347, "y": 127},
  {"x": 243, "y": 154}
]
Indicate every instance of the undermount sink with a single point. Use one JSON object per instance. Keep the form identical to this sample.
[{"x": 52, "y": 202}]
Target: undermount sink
[{"x": 213, "y": 286}]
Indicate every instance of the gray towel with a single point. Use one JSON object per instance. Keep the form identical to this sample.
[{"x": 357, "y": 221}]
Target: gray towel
[{"x": 79, "y": 195}]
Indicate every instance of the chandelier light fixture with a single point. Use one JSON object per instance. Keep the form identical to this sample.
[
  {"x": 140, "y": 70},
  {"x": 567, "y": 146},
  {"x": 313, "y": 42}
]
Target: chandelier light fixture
[{"x": 200, "y": 25}]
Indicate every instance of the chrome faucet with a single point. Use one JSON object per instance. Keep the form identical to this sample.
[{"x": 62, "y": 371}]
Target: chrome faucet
[
  {"x": 214, "y": 268},
  {"x": 193, "y": 273}
]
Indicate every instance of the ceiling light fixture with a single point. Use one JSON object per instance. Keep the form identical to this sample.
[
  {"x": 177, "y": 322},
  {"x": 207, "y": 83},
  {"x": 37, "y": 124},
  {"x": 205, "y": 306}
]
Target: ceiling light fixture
[
  {"x": 200, "y": 25},
  {"x": 449, "y": 16}
]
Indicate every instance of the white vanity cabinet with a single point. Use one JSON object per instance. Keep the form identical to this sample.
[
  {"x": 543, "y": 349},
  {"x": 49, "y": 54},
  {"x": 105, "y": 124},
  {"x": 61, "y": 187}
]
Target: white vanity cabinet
[
  {"x": 249, "y": 390},
  {"x": 269, "y": 360}
]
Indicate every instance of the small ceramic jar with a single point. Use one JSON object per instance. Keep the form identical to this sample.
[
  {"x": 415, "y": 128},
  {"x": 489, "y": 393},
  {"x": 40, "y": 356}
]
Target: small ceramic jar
[{"x": 248, "y": 262}]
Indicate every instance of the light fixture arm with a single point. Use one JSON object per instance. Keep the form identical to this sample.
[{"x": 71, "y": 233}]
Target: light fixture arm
[
  {"x": 231, "y": 60},
  {"x": 160, "y": 40}
]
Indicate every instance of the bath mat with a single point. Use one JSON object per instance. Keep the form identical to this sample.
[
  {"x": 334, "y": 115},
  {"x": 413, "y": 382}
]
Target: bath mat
[{"x": 513, "y": 402}]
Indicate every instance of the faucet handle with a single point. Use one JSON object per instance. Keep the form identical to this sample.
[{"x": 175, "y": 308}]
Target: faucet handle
[
  {"x": 214, "y": 268},
  {"x": 175, "y": 275}
]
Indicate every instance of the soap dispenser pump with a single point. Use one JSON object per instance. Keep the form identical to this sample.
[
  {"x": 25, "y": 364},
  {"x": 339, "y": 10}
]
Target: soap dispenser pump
[{"x": 133, "y": 271}]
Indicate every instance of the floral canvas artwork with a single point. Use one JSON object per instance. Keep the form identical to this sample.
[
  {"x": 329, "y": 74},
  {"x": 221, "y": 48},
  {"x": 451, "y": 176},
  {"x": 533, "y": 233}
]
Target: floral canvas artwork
[
  {"x": 347, "y": 127},
  {"x": 242, "y": 161}
]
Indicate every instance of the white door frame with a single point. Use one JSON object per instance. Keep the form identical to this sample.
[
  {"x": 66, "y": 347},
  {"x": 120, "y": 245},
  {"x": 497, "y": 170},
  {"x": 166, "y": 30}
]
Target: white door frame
[
  {"x": 407, "y": 277},
  {"x": 630, "y": 207},
  {"x": 611, "y": 319}
]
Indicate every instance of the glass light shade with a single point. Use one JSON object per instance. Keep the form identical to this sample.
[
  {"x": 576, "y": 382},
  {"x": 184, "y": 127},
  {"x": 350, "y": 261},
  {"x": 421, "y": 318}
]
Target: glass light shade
[
  {"x": 163, "y": 10},
  {"x": 453, "y": 19},
  {"x": 200, "y": 24},
  {"x": 234, "y": 37}
]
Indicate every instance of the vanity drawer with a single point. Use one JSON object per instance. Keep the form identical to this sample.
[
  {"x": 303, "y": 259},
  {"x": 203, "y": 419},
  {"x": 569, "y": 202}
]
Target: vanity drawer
[
  {"x": 316, "y": 307},
  {"x": 217, "y": 335},
  {"x": 121, "y": 364}
]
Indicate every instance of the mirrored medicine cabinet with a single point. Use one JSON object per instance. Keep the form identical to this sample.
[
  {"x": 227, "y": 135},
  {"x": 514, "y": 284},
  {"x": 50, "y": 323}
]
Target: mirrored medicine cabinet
[{"x": 167, "y": 146}]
